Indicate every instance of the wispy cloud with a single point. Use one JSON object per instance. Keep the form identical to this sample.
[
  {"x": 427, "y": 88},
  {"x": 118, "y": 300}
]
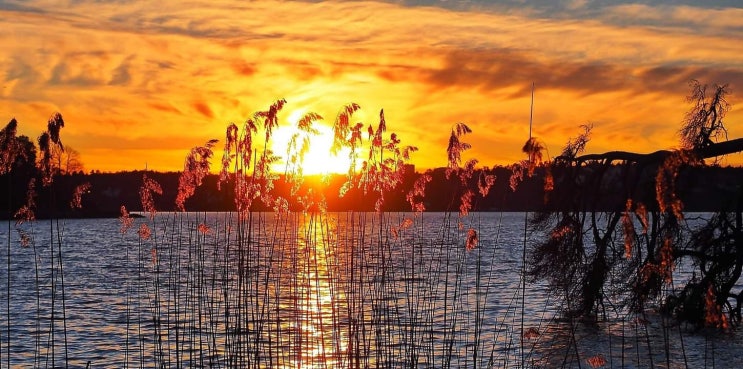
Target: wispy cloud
[
  {"x": 713, "y": 21},
  {"x": 183, "y": 70}
]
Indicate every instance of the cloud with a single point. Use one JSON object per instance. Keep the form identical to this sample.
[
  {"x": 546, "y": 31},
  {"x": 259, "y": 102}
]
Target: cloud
[
  {"x": 203, "y": 109},
  {"x": 244, "y": 69},
  {"x": 714, "y": 21},
  {"x": 493, "y": 70},
  {"x": 72, "y": 74},
  {"x": 121, "y": 75},
  {"x": 186, "y": 71}
]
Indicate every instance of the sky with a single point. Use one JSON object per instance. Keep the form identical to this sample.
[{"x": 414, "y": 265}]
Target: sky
[{"x": 139, "y": 83}]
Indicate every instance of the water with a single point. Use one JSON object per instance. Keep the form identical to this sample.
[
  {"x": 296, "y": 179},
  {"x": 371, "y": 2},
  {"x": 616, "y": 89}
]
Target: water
[{"x": 340, "y": 291}]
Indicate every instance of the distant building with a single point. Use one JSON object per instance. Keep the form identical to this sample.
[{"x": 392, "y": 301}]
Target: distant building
[{"x": 408, "y": 169}]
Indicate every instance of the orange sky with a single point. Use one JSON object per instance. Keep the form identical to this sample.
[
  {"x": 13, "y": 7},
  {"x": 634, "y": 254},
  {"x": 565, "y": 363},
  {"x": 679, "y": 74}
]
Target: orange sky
[{"x": 140, "y": 83}]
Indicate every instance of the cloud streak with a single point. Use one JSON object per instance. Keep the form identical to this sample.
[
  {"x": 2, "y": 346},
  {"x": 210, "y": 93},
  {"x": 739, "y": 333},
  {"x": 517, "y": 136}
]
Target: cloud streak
[{"x": 185, "y": 70}]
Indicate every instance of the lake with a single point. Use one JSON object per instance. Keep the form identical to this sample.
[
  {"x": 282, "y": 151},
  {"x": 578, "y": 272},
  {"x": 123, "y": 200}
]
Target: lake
[{"x": 342, "y": 290}]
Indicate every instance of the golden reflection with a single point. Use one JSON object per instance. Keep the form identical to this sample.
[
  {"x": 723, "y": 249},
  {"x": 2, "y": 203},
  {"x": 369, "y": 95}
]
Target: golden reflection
[{"x": 319, "y": 339}]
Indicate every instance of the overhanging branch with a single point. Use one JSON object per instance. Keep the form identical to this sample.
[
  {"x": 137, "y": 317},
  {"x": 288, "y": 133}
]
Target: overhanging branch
[{"x": 713, "y": 150}]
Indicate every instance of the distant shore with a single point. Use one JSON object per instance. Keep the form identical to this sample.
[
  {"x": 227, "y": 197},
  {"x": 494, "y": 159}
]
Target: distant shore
[{"x": 705, "y": 189}]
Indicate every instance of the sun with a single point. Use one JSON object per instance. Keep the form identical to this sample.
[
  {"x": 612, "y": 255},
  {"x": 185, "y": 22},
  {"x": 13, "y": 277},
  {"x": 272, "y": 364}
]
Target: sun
[{"x": 318, "y": 159}]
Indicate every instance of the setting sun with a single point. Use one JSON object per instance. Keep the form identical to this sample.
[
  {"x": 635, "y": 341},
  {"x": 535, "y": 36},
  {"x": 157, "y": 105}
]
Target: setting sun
[
  {"x": 318, "y": 159},
  {"x": 371, "y": 184},
  {"x": 146, "y": 87}
]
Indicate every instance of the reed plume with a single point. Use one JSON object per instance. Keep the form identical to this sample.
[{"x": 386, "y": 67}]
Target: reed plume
[
  {"x": 8, "y": 146},
  {"x": 48, "y": 142},
  {"x": 472, "y": 239},
  {"x": 144, "y": 232},
  {"x": 230, "y": 145},
  {"x": 195, "y": 169},
  {"x": 271, "y": 117},
  {"x": 26, "y": 212},
  {"x": 485, "y": 182},
  {"x": 666, "y": 193},
  {"x": 417, "y": 194},
  {"x": 456, "y": 147},
  {"x": 343, "y": 132},
  {"x": 534, "y": 149},
  {"x": 146, "y": 191},
  {"x": 126, "y": 220},
  {"x": 297, "y": 150},
  {"x": 596, "y": 361},
  {"x": 77, "y": 195},
  {"x": 714, "y": 316}
]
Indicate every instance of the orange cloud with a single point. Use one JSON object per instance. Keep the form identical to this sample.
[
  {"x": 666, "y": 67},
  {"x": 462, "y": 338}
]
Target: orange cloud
[
  {"x": 179, "y": 74},
  {"x": 204, "y": 109}
]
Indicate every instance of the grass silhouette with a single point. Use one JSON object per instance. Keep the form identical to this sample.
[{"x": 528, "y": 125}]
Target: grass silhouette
[{"x": 301, "y": 287}]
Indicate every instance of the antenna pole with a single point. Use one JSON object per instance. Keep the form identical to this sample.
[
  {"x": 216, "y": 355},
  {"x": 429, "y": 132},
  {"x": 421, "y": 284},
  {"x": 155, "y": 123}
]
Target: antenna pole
[
  {"x": 531, "y": 109},
  {"x": 523, "y": 253}
]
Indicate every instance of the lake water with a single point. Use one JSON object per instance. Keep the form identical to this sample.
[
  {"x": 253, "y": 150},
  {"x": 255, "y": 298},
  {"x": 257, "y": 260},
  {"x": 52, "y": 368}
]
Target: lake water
[{"x": 347, "y": 290}]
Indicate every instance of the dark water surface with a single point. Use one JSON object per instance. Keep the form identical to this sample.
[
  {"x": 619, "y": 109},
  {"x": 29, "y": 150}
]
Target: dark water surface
[{"x": 339, "y": 291}]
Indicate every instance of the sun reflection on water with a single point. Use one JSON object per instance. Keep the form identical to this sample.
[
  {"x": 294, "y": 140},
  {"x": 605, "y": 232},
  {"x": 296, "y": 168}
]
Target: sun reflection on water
[
  {"x": 302, "y": 291},
  {"x": 319, "y": 339}
]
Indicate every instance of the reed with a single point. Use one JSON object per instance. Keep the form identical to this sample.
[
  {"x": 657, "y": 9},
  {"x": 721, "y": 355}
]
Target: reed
[{"x": 299, "y": 287}]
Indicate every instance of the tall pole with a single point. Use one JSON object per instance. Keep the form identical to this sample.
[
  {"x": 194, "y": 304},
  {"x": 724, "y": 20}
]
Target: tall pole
[
  {"x": 531, "y": 109},
  {"x": 523, "y": 253}
]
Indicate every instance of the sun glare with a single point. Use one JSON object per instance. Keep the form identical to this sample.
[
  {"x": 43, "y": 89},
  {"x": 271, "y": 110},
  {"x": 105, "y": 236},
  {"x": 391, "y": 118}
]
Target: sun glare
[{"x": 318, "y": 159}]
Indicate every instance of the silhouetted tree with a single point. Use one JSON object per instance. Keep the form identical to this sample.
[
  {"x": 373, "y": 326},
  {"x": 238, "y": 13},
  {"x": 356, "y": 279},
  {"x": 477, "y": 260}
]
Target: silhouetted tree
[
  {"x": 67, "y": 160},
  {"x": 616, "y": 228},
  {"x": 703, "y": 124}
]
